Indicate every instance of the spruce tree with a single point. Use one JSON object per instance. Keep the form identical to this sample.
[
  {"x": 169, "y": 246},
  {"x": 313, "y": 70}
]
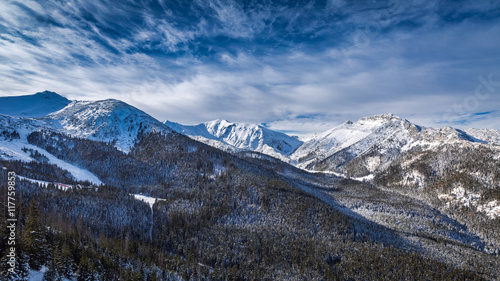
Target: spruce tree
[
  {"x": 23, "y": 270},
  {"x": 67, "y": 262},
  {"x": 84, "y": 269},
  {"x": 55, "y": 270},
  {"x": 18, "y": 272},
  {"x": 33, "y": 240}
]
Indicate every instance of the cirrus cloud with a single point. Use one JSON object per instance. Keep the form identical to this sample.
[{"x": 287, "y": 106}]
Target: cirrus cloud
[{"x": 287, "y": 64}]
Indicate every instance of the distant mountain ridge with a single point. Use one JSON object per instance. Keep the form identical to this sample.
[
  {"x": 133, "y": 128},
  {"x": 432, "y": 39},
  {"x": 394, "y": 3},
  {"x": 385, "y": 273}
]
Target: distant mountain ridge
[
  {"x": 360, "y": 149},
  {"x": 375, "y": 141},
  {"x": 372, "y": 142},
  {"x": 240, "y": 136},
  {"x": 33, "y": 106}
]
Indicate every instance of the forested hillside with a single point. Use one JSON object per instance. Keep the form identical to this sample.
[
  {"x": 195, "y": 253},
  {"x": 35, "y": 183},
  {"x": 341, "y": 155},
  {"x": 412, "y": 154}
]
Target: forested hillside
[{"x": 220, "y": 217}]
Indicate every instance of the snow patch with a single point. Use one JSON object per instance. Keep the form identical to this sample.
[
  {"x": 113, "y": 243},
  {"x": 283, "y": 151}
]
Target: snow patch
[
  {"x": 147, "y": 199},
  {"x": 471, "y": 200},
  {"x": 491, "y": 209},
  {"x": 367, "y": 178}
]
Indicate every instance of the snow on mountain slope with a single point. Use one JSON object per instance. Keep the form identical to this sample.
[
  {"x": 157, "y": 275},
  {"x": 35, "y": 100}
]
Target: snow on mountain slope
[
  {"x": 353, "y": 139},
  {"x": 13, "y": 150},
  {"x": 370, "y": 144},
  {"x": 34, "y": 106},
  {"x": 107, "y": 120},
  {"x": 490, "y": 136},
  {"x": 240, "y": 136},
  {"x": 147, "y": 199},
  {"x": 22, "y": 126}
]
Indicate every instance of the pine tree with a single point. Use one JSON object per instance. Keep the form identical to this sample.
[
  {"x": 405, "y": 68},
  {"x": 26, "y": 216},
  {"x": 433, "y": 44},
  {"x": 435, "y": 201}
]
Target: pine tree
[
  {"x": 55, "y": 271},
  {"x": 33, "y": 240},
  {"x": 84, "y": 269},
  {"x": 67, "y": 262}
]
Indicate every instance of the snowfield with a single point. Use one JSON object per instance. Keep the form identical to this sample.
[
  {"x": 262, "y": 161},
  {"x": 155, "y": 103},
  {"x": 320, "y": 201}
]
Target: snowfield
[
  {"x": 109, "y": 120},
  {"x": 13, "y": 150}
]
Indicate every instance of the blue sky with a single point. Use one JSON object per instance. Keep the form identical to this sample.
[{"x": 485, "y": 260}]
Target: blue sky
[{"x": 297, "y": 66}]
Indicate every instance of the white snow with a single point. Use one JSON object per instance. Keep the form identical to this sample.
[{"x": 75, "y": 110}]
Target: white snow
[
  {"x": 459, "y": 195},
  {"x": 45, "y": 183},
  {"x": 107, "y": 120},
  {"x": 38, "y": 275},
  {"x": 365, "y": 178},
  {"x": 35, "y": 106},
  {"x": 148, "y": 199},
  {"x": 490, "y": 136},
  {"x": 12, "y": 150},
  {"x": 62, "y": 186},
  {"x": 491, "y": 209},
  {"x": 234, "y": 137}
]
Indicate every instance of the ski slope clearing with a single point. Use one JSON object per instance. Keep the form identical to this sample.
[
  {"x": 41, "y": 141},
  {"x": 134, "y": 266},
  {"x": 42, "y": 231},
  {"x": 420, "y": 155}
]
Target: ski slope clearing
[
  {"x": 147, "y": 199},
  {"x": 13, "y": 150}
]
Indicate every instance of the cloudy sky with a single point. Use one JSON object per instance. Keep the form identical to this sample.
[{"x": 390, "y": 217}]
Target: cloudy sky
[{"x": 296, "y": 66}]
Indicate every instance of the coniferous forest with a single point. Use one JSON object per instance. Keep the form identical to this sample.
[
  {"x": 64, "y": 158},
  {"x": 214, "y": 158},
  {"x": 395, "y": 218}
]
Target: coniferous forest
[{"x": 218, "y": 217}]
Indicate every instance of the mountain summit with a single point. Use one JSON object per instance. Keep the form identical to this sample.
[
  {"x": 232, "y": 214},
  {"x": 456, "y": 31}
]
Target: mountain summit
[
  {"x": 240, "y": 136},
  {"x": 33, "y": 106}
]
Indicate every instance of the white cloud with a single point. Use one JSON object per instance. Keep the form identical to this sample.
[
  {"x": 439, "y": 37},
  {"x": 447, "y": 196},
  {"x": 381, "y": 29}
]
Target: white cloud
[{"x": 418, "y": 75}]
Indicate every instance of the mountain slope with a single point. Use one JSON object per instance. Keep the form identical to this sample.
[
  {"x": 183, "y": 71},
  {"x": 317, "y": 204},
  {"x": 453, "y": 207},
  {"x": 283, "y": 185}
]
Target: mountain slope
[
  {"x": 491, "y": 136},
  {"x": 34, "y": 106},
  {"x": 226, "y": 213},
  {"x": 240, "y": 136},
  {"x": 370, "y": 144},
  {"x": 107, "y": 120},
  {"x": 110, "y": 121}
]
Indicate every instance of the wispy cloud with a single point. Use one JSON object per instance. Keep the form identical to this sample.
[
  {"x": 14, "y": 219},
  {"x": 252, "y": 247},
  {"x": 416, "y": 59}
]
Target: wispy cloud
[{"x": 258, "y": 61}]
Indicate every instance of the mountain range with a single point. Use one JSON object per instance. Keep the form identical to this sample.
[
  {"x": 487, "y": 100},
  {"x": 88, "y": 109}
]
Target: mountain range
[
  {"x": 362, "y": 150},
  {"x": 428, "y": 185}
]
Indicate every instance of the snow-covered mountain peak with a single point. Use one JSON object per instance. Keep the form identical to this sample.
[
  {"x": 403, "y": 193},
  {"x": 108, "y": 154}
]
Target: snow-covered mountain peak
[
  {"x": 49, "y": 95},
  {"x": 385, "y": 116},
  {"x": 32, "y": 106},
  {"x": 106, "y": 120},
  {"x": 380, "y": 119},
  {"x": 220, "y": 122},
  {"x": 218, "y": 128},
  {"x": 240, "y": 136}
]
